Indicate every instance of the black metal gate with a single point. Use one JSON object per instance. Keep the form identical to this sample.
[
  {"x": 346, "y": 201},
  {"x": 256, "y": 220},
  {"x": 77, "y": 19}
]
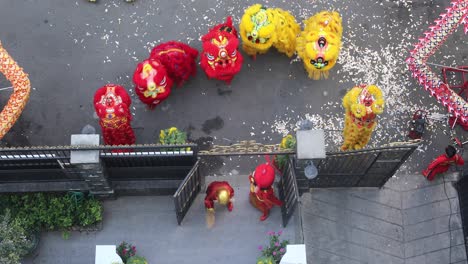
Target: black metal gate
[
  {"x": 288, "y": 192},
  {"x": 187, "y": 192},
  {"x": 361, "y": 168}
]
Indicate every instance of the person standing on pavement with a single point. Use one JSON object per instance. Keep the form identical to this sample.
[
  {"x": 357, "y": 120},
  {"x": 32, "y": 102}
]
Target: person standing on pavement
[{"x": 442, "y": 163}]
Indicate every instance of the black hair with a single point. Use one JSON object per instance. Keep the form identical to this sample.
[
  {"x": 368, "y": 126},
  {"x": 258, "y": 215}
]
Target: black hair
[{"x": 450, "y": 151}]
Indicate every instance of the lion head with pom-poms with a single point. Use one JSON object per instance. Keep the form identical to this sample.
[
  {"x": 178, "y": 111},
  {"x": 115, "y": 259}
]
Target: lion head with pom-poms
[
  {"x": 152, "y": 83},
  {"x": 261, "y": 28},
  {"x": 362, "y": 104},
  {"x": 257, "y": 30},
  {"x": 319, "y": 44},
  {"x": 221, "y": 59}
]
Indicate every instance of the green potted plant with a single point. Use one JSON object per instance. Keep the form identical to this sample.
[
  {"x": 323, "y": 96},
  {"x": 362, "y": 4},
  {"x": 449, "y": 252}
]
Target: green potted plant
[
  {"x": 275, "y": 250},
  {"x": 14, "y": 242},
  {"x": 137, "y": 260},
  {"x": 288, "y": 142},
  {"x": 173, "y": 136}
]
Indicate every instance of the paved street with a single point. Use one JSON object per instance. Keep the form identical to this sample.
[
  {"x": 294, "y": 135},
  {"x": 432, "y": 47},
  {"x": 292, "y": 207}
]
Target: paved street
[{"x": 409, "y": 221}]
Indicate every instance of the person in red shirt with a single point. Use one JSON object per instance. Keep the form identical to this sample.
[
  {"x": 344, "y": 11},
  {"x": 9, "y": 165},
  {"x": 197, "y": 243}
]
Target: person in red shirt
[{"x": 442, "y": 163}]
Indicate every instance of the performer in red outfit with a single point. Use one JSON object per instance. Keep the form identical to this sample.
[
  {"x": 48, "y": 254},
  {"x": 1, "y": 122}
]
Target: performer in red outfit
[
  {"x": 152, "y": 84},
  {"x": 178, "y": 59},
  {"x": 112, "y": 105},
  {"x": 219, "y": 191},
  {"x": 221, "y": 58},
  {"x": 442, "y": 163},
  {"x": 262, "y": 195}
]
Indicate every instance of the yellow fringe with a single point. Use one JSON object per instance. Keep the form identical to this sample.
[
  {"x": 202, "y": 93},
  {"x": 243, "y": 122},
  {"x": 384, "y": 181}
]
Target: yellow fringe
[
  {"x": 356, "y": 137},
  {"x": 281, "y": 31},
  {"x": 324, "y": 24}
]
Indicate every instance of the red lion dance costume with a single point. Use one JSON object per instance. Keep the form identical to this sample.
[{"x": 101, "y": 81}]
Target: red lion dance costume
[
  {"x": 262, "y": 195},
  {"x": 170, "y": 62},
  {"x": 221, "y": 192},
  {"x": 112, "y": 105},
  {"x": 221, "y": 58}
]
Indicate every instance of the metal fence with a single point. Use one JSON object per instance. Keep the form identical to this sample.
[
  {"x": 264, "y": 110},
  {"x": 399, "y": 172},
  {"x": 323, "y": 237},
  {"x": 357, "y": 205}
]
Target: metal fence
[
  {"x": 51, "y": 168},
  {"x": 187, "y": 192},
  {"x": 361, "y": 168},
  {"x": 288, "y": 191}
]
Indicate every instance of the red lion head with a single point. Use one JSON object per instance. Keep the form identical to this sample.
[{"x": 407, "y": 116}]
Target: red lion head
[
  {"x": 221, "y": 58},
  {"x": 264, "y": 175},
  {"x": 112, "y": 101},
  {"x": 152, "y": 83}
]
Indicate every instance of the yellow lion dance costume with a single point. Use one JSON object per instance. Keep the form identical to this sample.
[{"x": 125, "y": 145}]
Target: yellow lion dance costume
[
  {"x": 319, "y": 44},
  {"x": 261, "y": 28},
  {"x": 362, "y": 104}
]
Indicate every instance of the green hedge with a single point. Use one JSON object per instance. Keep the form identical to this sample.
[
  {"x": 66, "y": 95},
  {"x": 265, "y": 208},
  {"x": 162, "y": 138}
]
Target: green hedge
[{"x": 45, "y": 211}]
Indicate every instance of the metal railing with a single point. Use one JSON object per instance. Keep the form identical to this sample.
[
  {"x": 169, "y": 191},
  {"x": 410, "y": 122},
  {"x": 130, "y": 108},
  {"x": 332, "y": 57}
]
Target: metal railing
[
  {"x": 360, "y": 168},
  {"x": 187, "y": 192},
  {"x": 29, "y": 164},
  {"x": 288, "y": 191}
]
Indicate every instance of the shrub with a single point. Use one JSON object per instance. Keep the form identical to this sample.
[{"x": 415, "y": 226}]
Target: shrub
[
  {"x": 14, "y": 242},
  {"x": 51, "y": 211},
  {"x": 275, "y": 249},
  {"x": 137, "y": 260},
  {"x": 288, "y": 142},
  {"x": 126, "y": 251},
  {"x": 172, "y": 136}
]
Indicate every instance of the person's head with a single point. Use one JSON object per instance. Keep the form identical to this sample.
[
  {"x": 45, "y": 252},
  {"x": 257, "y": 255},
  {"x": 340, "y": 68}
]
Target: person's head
[
  {"x": 450, "y": 151},
  {"x": 223, "y": 197}
]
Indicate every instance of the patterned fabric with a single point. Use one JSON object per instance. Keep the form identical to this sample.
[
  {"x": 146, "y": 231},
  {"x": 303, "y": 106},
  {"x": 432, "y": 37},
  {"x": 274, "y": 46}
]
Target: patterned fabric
[
  {"x": 261, "y": 194},
  {"x": 178, "y": 58},
  {"x": 21, "y": 90},
  {"x": 444, "y": 26},
  {"x": 362, "y": 105},
  {"x": 261, "y": 28},
  {"x": 152, "y": 83},
  {"x": 319, "y": 44},
  {"x": 221, "y": 58},
  {"x": 112, "y": 105},
  {"x": 170, "y": 62}
]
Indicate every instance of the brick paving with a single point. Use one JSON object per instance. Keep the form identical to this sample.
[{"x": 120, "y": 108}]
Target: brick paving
[{"x": 409, "y": 221}]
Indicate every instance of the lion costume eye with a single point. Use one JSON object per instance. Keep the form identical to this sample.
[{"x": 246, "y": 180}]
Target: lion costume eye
[
  {"x": 163, "y": 82},
  {"x": 234, "y": 53},
  {"x": 209, "y": 56}
]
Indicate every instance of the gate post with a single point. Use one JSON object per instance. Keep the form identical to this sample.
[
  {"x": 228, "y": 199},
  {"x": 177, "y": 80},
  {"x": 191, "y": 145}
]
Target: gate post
[{"x": 90, "y": 167}]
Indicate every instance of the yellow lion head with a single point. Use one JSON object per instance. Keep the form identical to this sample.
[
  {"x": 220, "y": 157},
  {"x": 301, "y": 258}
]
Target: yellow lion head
[
  {"x": 320, "y": 42},
  {"x": 364, "y": 100},
  {"x": 257, "y": 28},
  {"x": 322, "y": 50}
]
